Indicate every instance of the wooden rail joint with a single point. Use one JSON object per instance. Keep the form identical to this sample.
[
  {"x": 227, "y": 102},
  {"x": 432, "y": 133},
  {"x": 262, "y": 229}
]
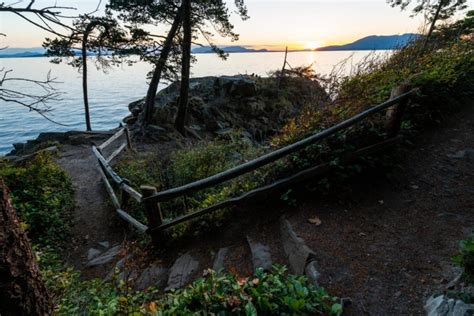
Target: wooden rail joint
[
  {"x": 153, "y": 212},
  {"x": 395, "y": 113}
]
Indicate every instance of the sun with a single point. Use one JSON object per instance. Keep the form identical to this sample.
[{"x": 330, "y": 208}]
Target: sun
[{"x": 312, "y": 45}]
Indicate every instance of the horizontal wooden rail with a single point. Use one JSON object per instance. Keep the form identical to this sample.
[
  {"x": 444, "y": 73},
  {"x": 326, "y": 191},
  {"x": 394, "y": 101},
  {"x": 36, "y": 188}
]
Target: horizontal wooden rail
[
  {"x": 134, "y": 194},
  {"x": 129, "y": 219},
  {"x": 112, "y": 139},
  {"x": 106, "y": 166},
  {"x": 115, "y": 201},
  {"x": 280, "y": 184},
  {"x": 109, "y": 188},
  {"x": 273, "y": 156},
  {"x": 116, "y": 152}
]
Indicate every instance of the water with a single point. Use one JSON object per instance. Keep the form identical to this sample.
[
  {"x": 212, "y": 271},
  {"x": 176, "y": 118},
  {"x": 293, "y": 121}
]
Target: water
[{"x": 111, "y": 92}]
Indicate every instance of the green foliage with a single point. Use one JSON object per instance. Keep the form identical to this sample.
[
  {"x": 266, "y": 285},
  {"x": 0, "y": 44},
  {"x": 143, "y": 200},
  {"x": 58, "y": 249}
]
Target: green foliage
[
  {"x": 190, "y": 164},
  {"x": 43, "y": 197},
  {"x": 272, "y": 293},
  {"x": 465, "y": 258},
  {"x": 429, "y": 8}
]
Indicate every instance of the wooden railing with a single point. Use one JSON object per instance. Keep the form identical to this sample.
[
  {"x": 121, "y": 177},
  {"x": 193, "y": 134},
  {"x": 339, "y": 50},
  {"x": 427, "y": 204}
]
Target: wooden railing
[
  {"x": 151, "y": 198},
  {"x": 106, "y": 172}
]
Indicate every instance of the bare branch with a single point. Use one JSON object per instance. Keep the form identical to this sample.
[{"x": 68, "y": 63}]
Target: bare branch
[{"x": 38, "y": 103}]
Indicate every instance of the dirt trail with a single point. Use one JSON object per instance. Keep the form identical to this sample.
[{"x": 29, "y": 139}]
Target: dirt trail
[
  {"x": 94, "y": 217},
  {"x": 388, "y": 242}
]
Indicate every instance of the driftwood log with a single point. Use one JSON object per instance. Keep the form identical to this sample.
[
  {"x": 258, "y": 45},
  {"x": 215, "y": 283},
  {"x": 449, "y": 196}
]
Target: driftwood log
[{"x": 22, "y": 291}]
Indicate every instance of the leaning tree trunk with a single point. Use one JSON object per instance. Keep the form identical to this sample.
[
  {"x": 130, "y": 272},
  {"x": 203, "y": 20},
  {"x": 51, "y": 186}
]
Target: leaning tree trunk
[
  {"x": 160, "y": 65},
  {"x": 433, "y": 23},
  {"x": 84, "y": 76},
  {"x": 85, "y": 92},
  {"x": 186, "y": 64},
  {"x": 22, "y": 292}
]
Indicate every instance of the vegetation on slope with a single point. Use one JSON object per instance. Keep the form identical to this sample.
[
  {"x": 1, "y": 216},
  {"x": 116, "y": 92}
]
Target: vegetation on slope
[
  {"x": 443, "y": 71},
  {"x": 274, "y": 293},
  {"x": 43, "y": 197}
]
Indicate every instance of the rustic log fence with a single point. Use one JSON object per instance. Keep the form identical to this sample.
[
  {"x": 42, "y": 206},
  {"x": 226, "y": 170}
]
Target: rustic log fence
[{"x": 151, "y": 198}]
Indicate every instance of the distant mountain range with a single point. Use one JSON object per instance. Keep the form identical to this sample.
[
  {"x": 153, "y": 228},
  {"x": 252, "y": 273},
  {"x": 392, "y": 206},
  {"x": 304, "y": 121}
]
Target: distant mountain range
[
  {"x": 22, "y": 52},
  {"x": 373, "y": 42},
  {"x": 228, "y": 49}
]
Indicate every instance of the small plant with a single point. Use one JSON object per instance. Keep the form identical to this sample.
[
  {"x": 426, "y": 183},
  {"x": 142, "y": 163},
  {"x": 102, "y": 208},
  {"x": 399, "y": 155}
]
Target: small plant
[{"x": 465, "y": 258}]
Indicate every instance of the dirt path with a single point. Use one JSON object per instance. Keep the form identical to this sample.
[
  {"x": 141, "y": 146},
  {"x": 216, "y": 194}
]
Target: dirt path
[
  {"x": 388, "y": 243},
  {"x": 94, "y": 217}
]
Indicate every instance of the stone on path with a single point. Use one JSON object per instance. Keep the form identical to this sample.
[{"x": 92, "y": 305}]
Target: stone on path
[
  {"x": 155, "y": 275},
  {"x": 261, "y": 257},
  {"x": 104, "y": 244},
  {"x": 220, "y": 258},
  {"x": 184, "y": 268},
  {"x": 93, "y": 253},
  {"x": 106, "y": 257},
  {"x": 295, "y": 248},
  {"x": 444, "y": 306}
]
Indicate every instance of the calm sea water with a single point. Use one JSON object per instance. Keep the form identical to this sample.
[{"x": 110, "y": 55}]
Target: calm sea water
[{"x": 111, "y": 92}]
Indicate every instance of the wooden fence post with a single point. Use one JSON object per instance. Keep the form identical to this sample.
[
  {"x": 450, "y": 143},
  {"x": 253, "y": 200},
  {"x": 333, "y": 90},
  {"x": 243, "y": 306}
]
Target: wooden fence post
[
  {"x": 125, "y": 195},
  {"x": 129, "y": 138},
  {"x": 395, "y": 113},
  {"x": 153, "y": 211}
]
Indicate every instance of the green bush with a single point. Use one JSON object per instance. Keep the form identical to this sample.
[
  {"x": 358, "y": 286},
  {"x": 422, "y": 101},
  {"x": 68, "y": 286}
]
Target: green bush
[
  {"x": 43, "y": 197},
  {"x": 190, "y": 164},
  {"x": 272, "y": 293},
  {"x": 465, "y": 258}
]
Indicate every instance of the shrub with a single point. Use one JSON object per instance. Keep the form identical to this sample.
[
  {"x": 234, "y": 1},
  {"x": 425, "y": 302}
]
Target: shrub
[
  {"x": 190, "y": 164},
  {"x": 43, "y": 197},
  {"x": 272, "y": 293},
  {"x": 465, "y": 258}
]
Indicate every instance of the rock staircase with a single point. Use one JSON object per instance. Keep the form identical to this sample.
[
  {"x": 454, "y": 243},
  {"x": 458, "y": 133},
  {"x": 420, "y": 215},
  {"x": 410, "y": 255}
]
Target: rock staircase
[{"x": 241, "y": 258}]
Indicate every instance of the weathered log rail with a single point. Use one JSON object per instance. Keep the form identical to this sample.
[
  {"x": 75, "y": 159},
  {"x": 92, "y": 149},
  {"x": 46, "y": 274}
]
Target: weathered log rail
[
  {"x": 106, "y": 171},
  {"x": 151, "y": 198}
]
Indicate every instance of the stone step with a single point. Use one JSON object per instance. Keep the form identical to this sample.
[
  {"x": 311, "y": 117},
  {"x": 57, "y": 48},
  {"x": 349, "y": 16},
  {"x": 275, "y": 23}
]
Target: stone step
[
  {"x": 302, "y": 259},
  {"x": 261, "y": 257}
]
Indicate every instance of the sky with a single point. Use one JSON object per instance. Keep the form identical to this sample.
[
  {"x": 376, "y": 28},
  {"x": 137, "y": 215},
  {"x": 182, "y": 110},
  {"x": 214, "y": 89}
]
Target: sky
[{"x": 273, "y": 24}]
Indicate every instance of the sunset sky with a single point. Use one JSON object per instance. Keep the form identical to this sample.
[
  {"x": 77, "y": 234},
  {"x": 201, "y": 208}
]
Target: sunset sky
[{"x": 273, "y": 24}]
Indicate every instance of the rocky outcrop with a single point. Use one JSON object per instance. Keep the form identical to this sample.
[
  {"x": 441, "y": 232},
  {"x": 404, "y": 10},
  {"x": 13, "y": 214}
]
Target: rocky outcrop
[
  {"x": 219, "y": 105},
  {"x": 50, "y": 140}
]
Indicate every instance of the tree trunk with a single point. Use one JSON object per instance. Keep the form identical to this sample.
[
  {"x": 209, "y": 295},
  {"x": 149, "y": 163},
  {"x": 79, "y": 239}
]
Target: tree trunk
[
  {"x": 435, "y": 18},
  {"x": 84, "y": 77},
  {"x": 185, "y": 68},
  {"x": 22, "y": 292},
  {"x": 160, "y": 65}
]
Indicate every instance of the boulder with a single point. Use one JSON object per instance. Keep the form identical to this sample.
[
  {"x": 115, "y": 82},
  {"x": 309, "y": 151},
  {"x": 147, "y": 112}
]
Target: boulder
[
  {"x": 220, "y": 259},
  {"x": 444, "y": 306},
  {"x": 155, "y": 275},
  {"x": 182, "y": 271},
  {"x": 297, "y": 252},
  {"x": 93, "y": 253},
  {"x": 106, "y": 257},
  {"x": 261, "y": 257}
]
